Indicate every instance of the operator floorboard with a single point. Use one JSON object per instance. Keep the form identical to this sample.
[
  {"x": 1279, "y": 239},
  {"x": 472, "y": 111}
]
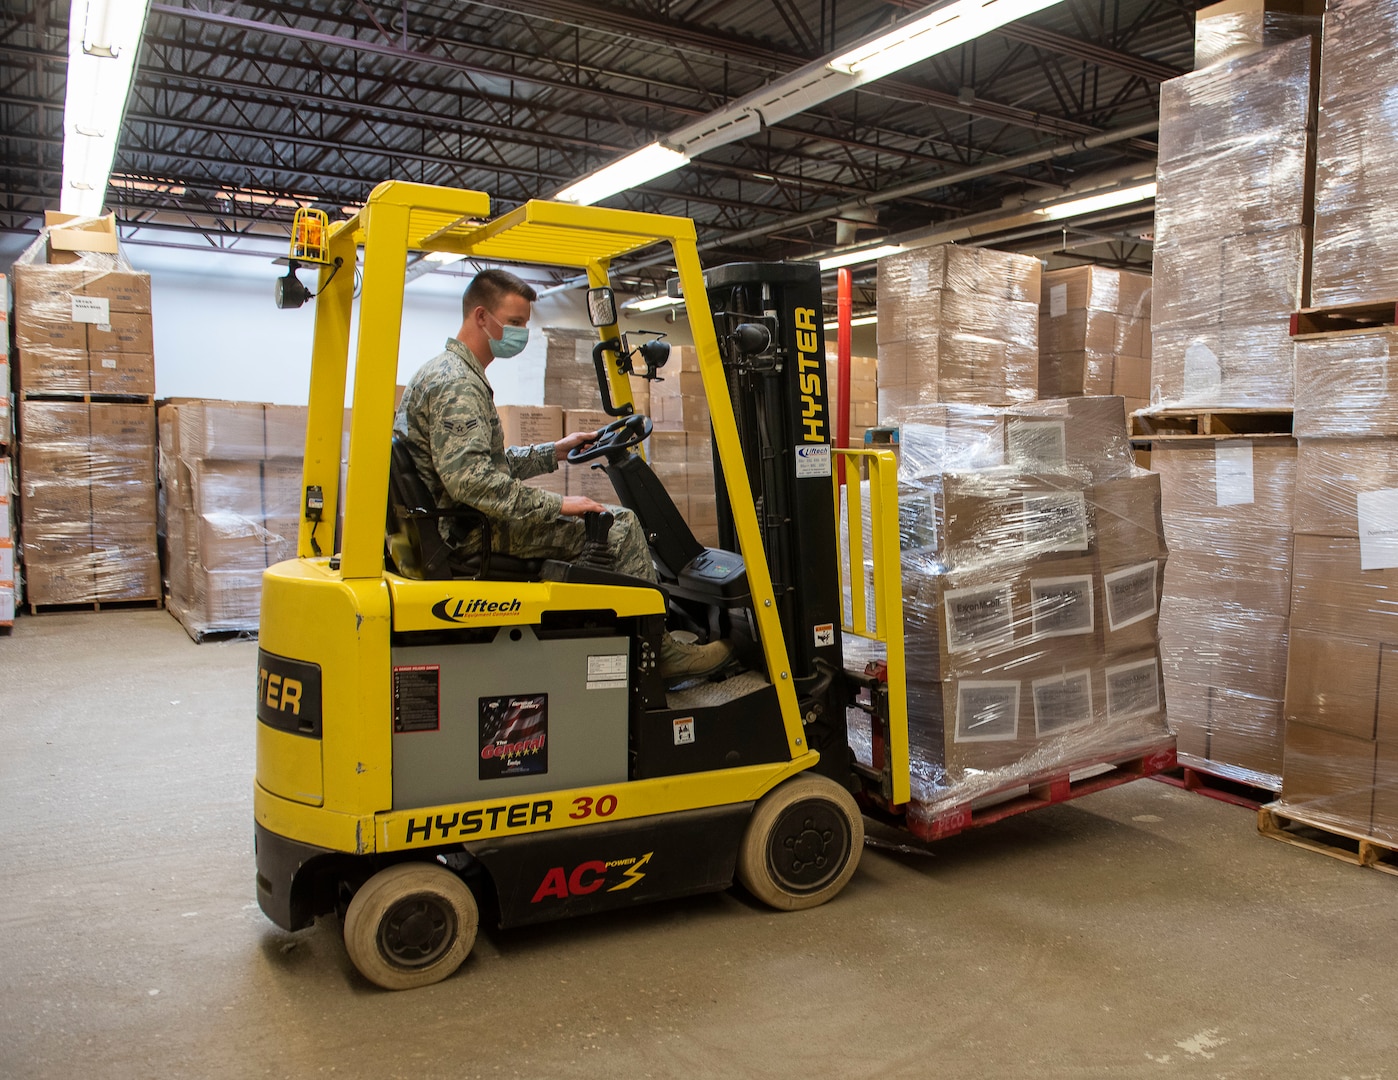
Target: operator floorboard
[{"x": 703, "y": 694}]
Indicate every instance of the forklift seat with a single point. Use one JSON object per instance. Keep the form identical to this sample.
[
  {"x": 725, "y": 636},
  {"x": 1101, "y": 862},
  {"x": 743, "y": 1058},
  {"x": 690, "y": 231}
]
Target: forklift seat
[{"x": 414, "y": 541}]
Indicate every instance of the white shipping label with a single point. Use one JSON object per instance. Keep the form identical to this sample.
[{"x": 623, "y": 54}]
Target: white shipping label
[
  {"x": 1055, "y": 522},
  {"x": 7, "y": 566},
  {"x": 1058, "y": 300},
  {"x": 1133, "y": 690},
  {"x": 1233, "y": 474},
  {"x": 979, "y": 617},
  {"x": 1037, "y": 445},
  {"x": 1062, "y": 702},
  {"x": 813, "y": 461},
  {"x": 607, "y": 672},
  {"x": 987, "y": 711},
  {"x": 1378, "y": 529},
  {"x": 1130, "y": 594},
  {"x": 92, "y": 309},
  {"x": 1203, "y": 374},
  {"x": 1061, "y": 606},
  {"x": 109, "y": 361}
]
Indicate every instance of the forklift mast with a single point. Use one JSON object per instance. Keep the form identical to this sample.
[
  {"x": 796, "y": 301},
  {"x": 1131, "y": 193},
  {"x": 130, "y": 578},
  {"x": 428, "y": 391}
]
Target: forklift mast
[{"x": 768, "y": 319}]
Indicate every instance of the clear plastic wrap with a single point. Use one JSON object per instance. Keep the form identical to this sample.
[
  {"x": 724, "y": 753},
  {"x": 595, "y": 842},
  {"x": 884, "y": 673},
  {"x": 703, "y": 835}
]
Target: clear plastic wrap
[
  {"x": 1347, "y": 385},
  {"x": 1231, "y": 35},
  {"x": 956, "y": 325},
  {"x": 1356, "y": 240},
  {"x": 88, "y": 502},
  {"x": 1030, "y": 601},
  {"x": 1341, "y": 710},
  {"x": 1228, "y": 509},
  {"x": 82, "y": 326},
  {"x": 9, "y": 597},
  {"x": 232, "y": 478},
  {"x": 1232, "y": 229},
  {"x": 1094, "y": 334}
]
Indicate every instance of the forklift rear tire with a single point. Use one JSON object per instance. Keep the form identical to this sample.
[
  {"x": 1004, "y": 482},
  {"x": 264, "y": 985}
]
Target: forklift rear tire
[
  {"x": 802, "y": 844},
  {"x": 410, "y": 925}
]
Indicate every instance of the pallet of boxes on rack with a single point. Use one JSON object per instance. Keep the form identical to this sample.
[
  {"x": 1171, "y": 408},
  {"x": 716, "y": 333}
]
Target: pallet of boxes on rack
[
  {"x": 85, "y": 381},
  {"x": 231, "y": 477},
  {"x": 9, "y": 594},
  {"x": 1233, "y": 234},
  {"x": 1032, "y": 562}
]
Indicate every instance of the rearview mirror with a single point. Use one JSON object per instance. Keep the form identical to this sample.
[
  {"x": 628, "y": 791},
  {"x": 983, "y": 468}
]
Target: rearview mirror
[{"x": 601, "y": 306}]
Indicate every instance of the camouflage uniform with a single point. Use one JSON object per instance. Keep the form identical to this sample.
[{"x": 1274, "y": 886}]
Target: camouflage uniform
[{"x": 454, "y": 436}]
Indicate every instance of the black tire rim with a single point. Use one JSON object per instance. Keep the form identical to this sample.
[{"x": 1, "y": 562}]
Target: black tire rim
[
  {"x": 808, "y": 846},
  {"x": 417, "y": 930}
]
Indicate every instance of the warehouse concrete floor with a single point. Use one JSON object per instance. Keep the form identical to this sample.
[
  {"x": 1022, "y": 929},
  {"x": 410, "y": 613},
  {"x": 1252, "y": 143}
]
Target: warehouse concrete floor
[{"x": 1140, "y": 932}]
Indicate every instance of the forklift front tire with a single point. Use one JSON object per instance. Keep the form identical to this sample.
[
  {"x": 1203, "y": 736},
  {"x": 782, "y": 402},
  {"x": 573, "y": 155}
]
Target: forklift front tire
[
  {"x": 410, "y": 925},
  {"x": 802, "y": 844}
]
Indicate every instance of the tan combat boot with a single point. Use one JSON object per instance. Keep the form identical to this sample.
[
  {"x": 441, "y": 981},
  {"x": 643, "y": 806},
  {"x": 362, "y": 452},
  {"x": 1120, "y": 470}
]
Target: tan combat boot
[{"x": 680, "y": 660}]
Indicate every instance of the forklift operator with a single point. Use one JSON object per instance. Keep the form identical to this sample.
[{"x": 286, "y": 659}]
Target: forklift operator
[{"x": 454, "y": 436}]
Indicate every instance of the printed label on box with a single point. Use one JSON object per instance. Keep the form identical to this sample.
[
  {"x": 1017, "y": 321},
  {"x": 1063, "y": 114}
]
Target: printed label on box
[
  {"x": 607, "y": 672},
  {"x": 92, "y": 309},
  {"x": 1056, "y": 521},
  {"x": 1233, "y": 474},
  {"x": 1062, "y": 702},
  {"x": 979, "y": 617},
  {"x": 1133, "y": 690},
  {"x": 1058, "y": 300},
  {"x": 1130, "y": 595},
  {"x": 813, "y": 461},
  {"x": 684, "y": 730},
  {"x": 416, "y": 698},
  {"x": 987, "y": 711},
  {"x": 1038, "y": 445},
  {"x": 1378, "y": 529},
  {"x": 1062, "y": 606}
]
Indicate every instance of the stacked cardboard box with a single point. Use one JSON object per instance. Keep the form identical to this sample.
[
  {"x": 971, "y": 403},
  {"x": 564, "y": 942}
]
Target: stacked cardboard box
[
  {"x": 957, "y": 325},
  {"x": 1224, "y": 621},
  {"x": 1237, "y": 28},
  {"x": 588, "y": 480},
  {"x": 683, "y": 462},
  {"x": 1341, "y": 765},
  {"x": 530, "y": 425},
  {"x": 1032, "y": 561},
  {"x": 87, "y": 501},
  {"x": 677, "y": 398},
  {"x": 1232, "y": 220},
  {"x": 232, "y": 478},
  {"x": 863, "y": 392},
  {"x": 1094, "y": 335},
  {"x": 8, "y": 576},
  {"x": 1356, "y": 235},
  {"x": 570, "y": 378},
  {"x": 7, "y": 433}
]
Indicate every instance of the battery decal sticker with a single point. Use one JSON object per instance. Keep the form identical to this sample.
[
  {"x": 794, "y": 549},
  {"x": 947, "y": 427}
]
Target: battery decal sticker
[
  {"x": 416, "y": 698},
  {"x": 514, "y": 734}
]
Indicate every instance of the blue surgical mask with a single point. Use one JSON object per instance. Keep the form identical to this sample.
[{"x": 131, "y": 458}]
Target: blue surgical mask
[{"x": 511, "y": 341}]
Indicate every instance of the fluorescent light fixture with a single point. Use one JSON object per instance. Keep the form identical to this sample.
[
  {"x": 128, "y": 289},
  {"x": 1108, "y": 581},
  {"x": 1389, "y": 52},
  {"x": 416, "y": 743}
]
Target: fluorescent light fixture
[
  {"x": 634, "y": 169},
  {"x": 104, "y": 37},
  {"x": 863, "y": 320},
  {"x": 443, "y": 258},
  {"x": 946, "y": 28},
  {"x": 852, "y": 258},
  {"x": 653, "y": 303},
  {"x": 1090, "y": 204}
]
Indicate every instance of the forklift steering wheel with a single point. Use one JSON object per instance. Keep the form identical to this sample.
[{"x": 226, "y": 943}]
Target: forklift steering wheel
[{"x": 617, "y": 436}]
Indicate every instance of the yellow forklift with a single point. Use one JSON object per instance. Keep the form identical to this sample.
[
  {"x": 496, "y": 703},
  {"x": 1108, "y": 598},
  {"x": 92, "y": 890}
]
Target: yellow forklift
[{"x": 437, "y": 742}]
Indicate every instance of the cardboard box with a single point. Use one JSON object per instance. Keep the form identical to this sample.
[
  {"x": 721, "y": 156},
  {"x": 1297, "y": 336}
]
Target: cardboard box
[
  {"x": 1332, "y": 682},
  {"x": 1083, "y": 436},
  {"x": 530, "y": 425},
  {"x": 1329, "y": 777},
  {"x": 1332, "y": 595},
  {"x": 121, "y": 374},
  {"x": 70, "y": 233},
  {"x": 58, "y": 569},
  {"x": 127, "y": 332},
  {"x": 1331, "y": 474},
  {"x": 1347, "y": 386}
]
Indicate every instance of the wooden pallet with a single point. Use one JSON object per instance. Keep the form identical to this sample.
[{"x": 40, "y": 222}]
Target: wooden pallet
[
  {"x": 1344, "y": 318},
  {"x": 89, "y": 399},
  {"x": 1348, "y": 846},
  {"x": 1213, "y": 786},
  {"x": 1186, "y": 425},
  {"x": 154, "y": 604},
  {"x": 1065, "y": 783}
]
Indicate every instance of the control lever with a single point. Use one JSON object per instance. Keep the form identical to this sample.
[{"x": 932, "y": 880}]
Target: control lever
[{"x": 596, "y": 555}]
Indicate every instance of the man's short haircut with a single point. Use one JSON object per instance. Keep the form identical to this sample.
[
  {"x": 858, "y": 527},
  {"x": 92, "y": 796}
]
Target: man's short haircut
[{"x": 489, "y": 286}]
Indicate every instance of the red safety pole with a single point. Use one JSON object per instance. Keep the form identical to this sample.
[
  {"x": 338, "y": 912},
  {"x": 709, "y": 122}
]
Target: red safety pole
[{"x": 844, "y": 313}]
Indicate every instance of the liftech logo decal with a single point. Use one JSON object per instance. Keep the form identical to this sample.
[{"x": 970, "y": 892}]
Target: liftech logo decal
[
  {"x": 813, "y": 461},
  {"x": 453, "y": 610}
]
